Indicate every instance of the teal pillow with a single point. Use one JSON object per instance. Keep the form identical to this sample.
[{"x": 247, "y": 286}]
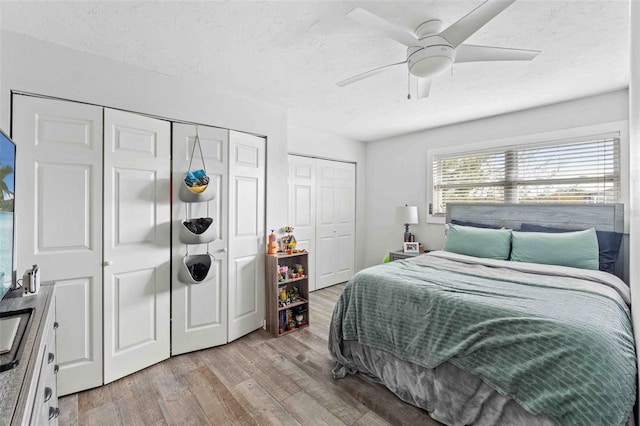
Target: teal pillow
[
  {"x": 578, "y": 249},
  {"x": 478, "y": 242}
]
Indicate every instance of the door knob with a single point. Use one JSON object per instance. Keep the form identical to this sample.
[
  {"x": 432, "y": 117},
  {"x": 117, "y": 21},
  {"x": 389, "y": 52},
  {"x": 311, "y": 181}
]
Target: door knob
[
  {"x": 223, "y": 250},
  {"x": 107, "y": 263}
]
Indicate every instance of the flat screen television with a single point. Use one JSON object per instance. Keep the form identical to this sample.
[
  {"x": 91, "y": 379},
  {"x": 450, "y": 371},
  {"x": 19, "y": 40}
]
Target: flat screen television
[{"x": 7, "y": 222}]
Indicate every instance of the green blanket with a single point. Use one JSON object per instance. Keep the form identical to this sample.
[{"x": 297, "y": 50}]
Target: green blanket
[{"x": 559, "y": 345}]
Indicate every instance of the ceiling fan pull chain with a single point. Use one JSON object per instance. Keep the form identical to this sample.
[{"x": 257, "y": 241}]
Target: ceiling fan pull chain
[{"x": 408, "y": 85}]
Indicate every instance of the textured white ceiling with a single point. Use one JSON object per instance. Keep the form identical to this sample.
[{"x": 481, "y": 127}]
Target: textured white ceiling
[{"x": 291, "y": 53}]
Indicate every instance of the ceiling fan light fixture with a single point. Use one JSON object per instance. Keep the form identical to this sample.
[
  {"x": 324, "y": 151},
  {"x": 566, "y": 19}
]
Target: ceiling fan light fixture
[{"x": 431, "y": 60}]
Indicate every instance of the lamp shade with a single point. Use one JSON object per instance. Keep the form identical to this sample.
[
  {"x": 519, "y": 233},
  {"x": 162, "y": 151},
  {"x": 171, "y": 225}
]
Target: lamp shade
[{"x": 407, "y": 214}]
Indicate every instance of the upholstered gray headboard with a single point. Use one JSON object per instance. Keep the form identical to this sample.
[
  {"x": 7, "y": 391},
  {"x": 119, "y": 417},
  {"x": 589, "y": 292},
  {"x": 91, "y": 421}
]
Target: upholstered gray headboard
[{"x": 602, "y": 217}]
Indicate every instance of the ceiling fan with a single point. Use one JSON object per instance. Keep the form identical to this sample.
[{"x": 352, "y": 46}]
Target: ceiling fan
[{"x": 433, "y": 50}]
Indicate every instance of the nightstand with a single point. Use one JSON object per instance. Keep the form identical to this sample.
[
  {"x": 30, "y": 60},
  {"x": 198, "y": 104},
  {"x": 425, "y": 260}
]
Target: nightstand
[{"x": 399, "y": 254}]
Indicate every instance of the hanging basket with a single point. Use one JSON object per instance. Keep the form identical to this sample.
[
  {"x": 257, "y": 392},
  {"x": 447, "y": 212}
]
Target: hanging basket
[
  {"x": 200, "y": 190},
  {"x": 187, "y": 195},
  {"x": 206, "y": 231},
  {"x": 200, "y": 263}
]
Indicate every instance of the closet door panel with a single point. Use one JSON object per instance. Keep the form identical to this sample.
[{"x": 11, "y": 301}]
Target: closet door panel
[
  {"x": 134, "y": 303},
  {"x": 72, "y": 231},
  {"x": 60, "y": 222},
  {"x": 199, "y": 311},
  {"x": 76, "y": 336},
  {"x": 137, "y": 164},
  {"x": 326, "y": 264},
  {"x": 133, "y": 213},
  {"x": 302, "y": 208},
  {"x": 325, "y": 224},
  {"x": 199, "y": 303},
  {"x": 302, "y": 215},
  {"x": 335, "y": 222},
  {"x": 246, "y": 206},
  {"x": 345, "y": 221},
  {"x": 247, "y": 239},
  {"x": 245, "y": 296}
]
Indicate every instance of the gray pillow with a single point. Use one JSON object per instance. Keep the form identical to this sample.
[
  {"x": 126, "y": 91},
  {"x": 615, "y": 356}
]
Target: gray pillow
[
  {"x": 478, "y": 242},
  {"x": 578, "y": 249},
  {"x": 474, "y": 224}
]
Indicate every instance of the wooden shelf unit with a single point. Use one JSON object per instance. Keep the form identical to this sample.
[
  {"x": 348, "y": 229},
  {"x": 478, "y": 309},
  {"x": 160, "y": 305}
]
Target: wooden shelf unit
[{"x": 274, "y": 311}]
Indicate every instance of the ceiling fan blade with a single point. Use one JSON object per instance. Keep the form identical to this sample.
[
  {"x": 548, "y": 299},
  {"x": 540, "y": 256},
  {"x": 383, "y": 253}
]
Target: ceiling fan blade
[
  {"x": 368, "y": 74},
  {"x": 424, "y": 87},
  {"x": 457, "y": 33},
  {"x": 472, "y": 53},
  {"x": 384, "y": 27}
]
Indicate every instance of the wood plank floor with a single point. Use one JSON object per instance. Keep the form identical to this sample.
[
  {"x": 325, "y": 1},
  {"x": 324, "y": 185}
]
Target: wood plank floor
[{"x": 255, "y": 380}]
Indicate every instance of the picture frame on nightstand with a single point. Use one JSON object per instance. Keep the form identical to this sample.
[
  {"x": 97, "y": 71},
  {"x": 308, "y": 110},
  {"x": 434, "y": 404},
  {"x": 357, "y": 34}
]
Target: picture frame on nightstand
[{"x": 411, "y": 247}]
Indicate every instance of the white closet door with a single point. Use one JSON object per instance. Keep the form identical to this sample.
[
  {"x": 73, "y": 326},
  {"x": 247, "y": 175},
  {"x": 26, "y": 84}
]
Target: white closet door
[
  {"x": 199, "y": 311},
  {"x": 246, "y": 233},
  {"x": 335, "y": 222},
  {"x": 302, "y": 208},
  {"x": 59, "y": 216},
  {"x": 137, "y": 163}
]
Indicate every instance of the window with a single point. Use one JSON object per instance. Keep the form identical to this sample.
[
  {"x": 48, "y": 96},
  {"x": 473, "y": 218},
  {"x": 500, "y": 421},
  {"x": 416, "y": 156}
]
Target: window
[{"x": 575, "y": 171}]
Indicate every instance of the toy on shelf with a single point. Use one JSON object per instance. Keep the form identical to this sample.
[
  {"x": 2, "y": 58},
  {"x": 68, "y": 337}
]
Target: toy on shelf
[
  {"x": 299, "y": 313},
  {"x": 289, "y": 241},
  {"x": 289, "y": 297},
  {"x": 272, "y": 247},
  {"x": 282, "y": 272},
  {"x": 291, "y": 323},
  {"x": 286, "y": 273},
  {"x": 293, "y": 273}
]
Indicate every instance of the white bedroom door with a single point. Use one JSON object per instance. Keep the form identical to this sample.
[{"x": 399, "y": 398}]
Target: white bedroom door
[
  {"x": 335, "y": 222},
  {"x": 199, "y": 311},
  {"x": 59, "y": 215},
  {"x": 302, "y": 208},
  {"x": 137, "y": 164},
  {"x": 246, "y": 233}
]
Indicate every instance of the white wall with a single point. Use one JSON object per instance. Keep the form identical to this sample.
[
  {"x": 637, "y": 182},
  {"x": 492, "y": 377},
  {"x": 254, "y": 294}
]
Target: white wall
[
  {"x": 396, "y": 167},
  {"x": 39, "y": 67},
  {"x": 314, "y": 143}
]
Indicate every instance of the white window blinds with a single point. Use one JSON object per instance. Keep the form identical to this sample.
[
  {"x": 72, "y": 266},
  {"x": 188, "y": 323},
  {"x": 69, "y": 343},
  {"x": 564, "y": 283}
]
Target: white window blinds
[{"x": 576, "y": 171}]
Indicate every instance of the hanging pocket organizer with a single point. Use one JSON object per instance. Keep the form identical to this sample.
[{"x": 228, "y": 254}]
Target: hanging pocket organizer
[
  {"x": 195, "y": 186},
  {"x": 196, "y": 268},
  {"x": 198, "y": 231}
]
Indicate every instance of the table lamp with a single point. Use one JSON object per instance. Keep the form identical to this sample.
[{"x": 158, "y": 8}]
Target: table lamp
[{"x": 409, "y": 216}]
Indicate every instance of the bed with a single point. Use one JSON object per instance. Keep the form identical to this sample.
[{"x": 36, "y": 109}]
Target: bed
[{"x": 488, "y": 341}]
